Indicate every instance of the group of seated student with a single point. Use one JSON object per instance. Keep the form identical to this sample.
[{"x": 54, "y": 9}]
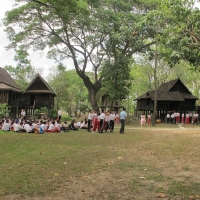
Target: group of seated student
[{"x": 39, "y": 126}]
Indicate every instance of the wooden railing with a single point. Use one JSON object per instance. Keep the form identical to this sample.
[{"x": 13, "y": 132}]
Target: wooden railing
[{"x": 36, "y": 104}]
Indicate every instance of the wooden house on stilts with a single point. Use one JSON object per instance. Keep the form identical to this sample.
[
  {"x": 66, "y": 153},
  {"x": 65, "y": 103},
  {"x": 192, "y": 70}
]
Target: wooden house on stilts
[
  {"x": 171, "y": 96},
  {"x": 38, "y": 94}
]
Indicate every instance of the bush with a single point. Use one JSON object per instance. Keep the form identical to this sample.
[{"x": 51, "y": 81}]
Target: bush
[
  {"x": 53, "y": 113},
  {"x": 66, "y": 118},
  {"x": 39, "y": 111},
  {"x": 4, "y": 110}
]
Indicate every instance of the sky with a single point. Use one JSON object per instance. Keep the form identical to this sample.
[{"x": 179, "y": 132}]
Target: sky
[{"x": 6, "y": 57}]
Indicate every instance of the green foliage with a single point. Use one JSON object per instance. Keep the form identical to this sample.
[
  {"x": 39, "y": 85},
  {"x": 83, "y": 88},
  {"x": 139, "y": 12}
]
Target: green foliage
[
  {"x": 4, "y": 110},
  {"x": 116, "y": 77},
  {"x": 23, "y": 72},
  {"x": 53, "y": 113},
  {"x": 86, "y": 31},
  {"x": 71, "y": 92},
  {"x": 39, "y": 112},
  {"x": 184, "y": 41},
  {"x": 65, "y": 117},
  {"x": 103, "y": 35}
]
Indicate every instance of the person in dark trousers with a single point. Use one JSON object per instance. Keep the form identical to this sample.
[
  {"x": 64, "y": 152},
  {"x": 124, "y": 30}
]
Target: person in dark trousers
[
  {"x": 90, "y": 117},
  {"x": 102, "y": 118},
  {"x": 122, "y": 116}
]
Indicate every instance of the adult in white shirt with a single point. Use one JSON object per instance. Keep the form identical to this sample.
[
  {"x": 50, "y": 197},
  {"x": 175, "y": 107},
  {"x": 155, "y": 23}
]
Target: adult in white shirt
[
  {"x": 23, "y": 114},
  {"x": 59, "y": 114}
]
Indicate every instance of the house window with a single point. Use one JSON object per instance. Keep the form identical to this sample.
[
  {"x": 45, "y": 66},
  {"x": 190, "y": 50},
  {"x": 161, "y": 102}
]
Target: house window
[{"x": 2, "y": 94}]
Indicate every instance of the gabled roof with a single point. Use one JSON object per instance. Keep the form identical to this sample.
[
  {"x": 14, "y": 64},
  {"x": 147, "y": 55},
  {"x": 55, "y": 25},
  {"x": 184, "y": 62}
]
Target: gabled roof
[
  {"x": 165, "y": 93},
  {"x": 169, "y": 85},
  {"x": 6, "y": 81},
  {"x": 39, "y": 85},
  {"x": 162, "y": 96}
]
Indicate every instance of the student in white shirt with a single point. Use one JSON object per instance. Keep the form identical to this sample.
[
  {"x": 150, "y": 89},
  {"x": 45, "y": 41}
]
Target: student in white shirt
[
  {"x": 18, "y": 127},
  {"x": 187, "y": 118},
  {"x": 112, "y": 121},
  {"x": 102, "y": 119},
  {"x": 90, "y": 117},
  {"x": 6, "y": 126},
  {"x": 183, "y": 115}
]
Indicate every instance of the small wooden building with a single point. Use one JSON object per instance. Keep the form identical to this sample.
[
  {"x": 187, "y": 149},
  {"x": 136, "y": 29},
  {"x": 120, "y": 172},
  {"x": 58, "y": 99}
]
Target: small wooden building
[
  {"x": 9, "y": 91},
  {"x": 171, "y": 96},
  {"x": 38, "y": 94},
  {"x": 105, "y": 104}
]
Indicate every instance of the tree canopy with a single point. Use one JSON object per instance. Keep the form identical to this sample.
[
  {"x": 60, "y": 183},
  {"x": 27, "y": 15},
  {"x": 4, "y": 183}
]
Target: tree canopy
[
  {"x": 88, "y": 32},
  {"x": 105, "y": 37}
]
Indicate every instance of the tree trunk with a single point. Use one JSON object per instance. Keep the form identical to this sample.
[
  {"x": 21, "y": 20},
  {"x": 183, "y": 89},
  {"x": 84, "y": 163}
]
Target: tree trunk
[
  {"x": 155, "y": 85},
  {"x": 93, "y": 88},
  {"x": 92, "y": 98}
]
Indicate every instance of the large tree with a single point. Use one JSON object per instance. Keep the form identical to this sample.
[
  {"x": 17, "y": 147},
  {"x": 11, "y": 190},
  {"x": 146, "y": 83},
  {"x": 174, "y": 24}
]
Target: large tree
[{"x": 80, "y": 30}]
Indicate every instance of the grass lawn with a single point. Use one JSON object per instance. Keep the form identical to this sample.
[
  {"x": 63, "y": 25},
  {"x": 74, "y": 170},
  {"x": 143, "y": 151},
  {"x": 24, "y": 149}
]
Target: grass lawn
[{"x": 144, "y": 163}]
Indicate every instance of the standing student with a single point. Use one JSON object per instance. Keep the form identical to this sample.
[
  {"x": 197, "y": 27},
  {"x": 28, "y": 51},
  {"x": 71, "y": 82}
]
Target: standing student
[
  {"x": 112, "y": 121},
  {"x": 149, "y": 119},
  {"x": 90, "y": 117},
  {"x": 122, "y": 116},
  {"x": 187, "y": 118},
  {"x": 23, "y": 114},
  {"x": 95, "y": 121},
  {"x": 142, "y": 119},
  {"x": 117, "y": 118},
  {"x": 177, "y": 117},
  {"x": 102, "y": 119},
  {"x": 190, "y": 117},
  {"x": 195, "y": 118},
  {"x": 107, "y": 126},
  {"x": 168, "y": 118},
  {"x": 183, "y": 115},
  {"x": 172, "y": 118}
]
